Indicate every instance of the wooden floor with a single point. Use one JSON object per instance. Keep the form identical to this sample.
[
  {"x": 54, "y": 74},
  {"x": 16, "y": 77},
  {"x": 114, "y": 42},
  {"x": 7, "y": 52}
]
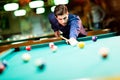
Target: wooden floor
[{"x": 43, "y": 40}]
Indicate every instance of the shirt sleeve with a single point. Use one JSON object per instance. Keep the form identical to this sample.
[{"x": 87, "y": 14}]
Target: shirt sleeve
[
  {"x": 75, "y": 28},
  {"x": 54, "y": 28},
  {"x": 53, "y": 22}
]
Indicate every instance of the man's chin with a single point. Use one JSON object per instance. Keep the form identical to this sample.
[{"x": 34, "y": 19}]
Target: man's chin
[{"x": 64, "y": 24}]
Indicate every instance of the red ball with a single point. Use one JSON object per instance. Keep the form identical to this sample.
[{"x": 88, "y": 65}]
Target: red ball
[
  {"x": 28, "y": 48},
  {"x": 2, "y": 67},
  {"x": 51, "y": 45}
]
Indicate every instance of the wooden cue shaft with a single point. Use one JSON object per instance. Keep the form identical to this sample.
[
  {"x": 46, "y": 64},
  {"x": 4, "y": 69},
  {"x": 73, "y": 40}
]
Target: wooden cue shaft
[{"x": 64, "y": 38}]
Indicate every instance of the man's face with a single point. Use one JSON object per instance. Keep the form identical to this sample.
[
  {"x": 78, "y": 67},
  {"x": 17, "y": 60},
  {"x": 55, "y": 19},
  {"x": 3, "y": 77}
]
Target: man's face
[{"x": 62, "y": 19}]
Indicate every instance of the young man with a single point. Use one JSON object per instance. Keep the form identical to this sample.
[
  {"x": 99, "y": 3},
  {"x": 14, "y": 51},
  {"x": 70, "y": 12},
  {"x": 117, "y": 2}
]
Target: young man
[{"x": 70, "y": 25}]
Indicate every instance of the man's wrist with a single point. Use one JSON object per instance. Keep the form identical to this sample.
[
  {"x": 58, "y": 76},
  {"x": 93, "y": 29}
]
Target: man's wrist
[{"x": 73, "y": 41}]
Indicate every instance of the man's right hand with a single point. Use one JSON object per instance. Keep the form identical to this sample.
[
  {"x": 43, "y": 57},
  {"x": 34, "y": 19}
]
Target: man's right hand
[{"x": 73, "y": 41}]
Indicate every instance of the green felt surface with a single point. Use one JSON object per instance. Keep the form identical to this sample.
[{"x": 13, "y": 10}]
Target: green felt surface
[{"x": 68, "y": 63}]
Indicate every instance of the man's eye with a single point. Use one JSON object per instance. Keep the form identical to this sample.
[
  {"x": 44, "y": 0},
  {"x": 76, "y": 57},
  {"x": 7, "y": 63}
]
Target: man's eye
[{"x": 64, "y": 17}]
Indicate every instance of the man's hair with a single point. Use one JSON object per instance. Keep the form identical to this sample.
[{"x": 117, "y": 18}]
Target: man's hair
[{"x": 60, "y": 9}]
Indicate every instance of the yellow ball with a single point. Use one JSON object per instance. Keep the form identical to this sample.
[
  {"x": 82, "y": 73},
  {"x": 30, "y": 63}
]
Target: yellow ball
[{"x": 81, "y": 44}]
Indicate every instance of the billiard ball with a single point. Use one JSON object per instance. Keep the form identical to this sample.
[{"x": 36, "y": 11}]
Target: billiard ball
[
  {"x": 40, "y": 63},
  {"x": 94, "y": 38},
  {"x": 51, "y": 44},
  {"x": 81, "y": 44},
  {"x": 2, "y": 67},
  {"x": 54, "y": 48},
  {"x": 28, "y": 48},
  {"x": 4, "y": 62},
  {"x": 26, "y": 57},
  {"x": 104, "y": 52}
]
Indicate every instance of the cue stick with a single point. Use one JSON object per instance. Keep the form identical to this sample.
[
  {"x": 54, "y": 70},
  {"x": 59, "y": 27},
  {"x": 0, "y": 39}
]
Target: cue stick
[{"x": 67, "y": 40}]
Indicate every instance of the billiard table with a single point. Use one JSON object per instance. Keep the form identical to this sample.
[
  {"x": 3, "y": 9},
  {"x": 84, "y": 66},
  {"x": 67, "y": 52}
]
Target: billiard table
[{"x": 68, "y": 62}]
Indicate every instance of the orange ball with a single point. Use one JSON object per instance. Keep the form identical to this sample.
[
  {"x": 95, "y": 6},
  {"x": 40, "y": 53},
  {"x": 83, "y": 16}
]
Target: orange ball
[{"x": 104, "y": 52}]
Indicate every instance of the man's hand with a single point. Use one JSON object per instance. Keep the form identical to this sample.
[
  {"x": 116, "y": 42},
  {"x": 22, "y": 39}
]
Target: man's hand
[{"x": 73, "y": 41}]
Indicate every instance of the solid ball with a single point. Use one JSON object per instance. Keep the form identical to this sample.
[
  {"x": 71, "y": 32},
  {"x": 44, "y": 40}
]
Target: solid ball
[
  {"x": 28, "y": 48},
  {"x": 81, "y": 44},
  {"x": 54, "y": 49},
  {"x": 26, "y": 57},
  {"x": 2, "y": 67},
  {"x": 94, "y": 38},
  {"x": 104, "y": 52}
]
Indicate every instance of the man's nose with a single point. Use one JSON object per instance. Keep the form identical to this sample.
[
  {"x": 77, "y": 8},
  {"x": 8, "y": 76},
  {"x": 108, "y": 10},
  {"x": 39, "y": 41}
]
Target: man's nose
[{"x": 63, "y": 21}]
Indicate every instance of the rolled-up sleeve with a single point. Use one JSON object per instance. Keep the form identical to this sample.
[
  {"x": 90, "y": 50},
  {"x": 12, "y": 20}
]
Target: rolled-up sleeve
[{"x": 75, "y": 27}]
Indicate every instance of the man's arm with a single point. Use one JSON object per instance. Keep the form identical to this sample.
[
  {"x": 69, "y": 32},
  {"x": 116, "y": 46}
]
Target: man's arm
[
  {"x": 53, "y": 22},
  {"x": 57, "y": 34},
  {"x": 76, "y": 29}
]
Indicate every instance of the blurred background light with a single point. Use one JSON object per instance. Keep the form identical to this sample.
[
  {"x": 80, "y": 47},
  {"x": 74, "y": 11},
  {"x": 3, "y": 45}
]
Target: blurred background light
[
  {"x": 11, "y": 6},
  {"x": 52, "y": 8},
  {"x": 36, "y": 4},
  {"x": 40, "y": 10},
  {"x": 21, "y": 12},
  {"x": 57, "y": 2}
]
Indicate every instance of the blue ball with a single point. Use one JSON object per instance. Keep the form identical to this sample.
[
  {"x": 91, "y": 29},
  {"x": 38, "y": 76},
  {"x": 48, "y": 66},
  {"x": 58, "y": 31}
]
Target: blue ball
[{"x": 94, "y": 38}]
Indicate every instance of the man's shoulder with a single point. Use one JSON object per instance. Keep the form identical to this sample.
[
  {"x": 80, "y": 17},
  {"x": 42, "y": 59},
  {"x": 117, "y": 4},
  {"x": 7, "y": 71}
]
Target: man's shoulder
[
  {"x": 51, "y": 16},
  {"x": 73, "y": 17}
]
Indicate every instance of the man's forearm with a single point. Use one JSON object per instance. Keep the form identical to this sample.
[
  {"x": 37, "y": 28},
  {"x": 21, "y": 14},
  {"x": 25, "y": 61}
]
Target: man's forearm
[{"x": 57, "y": 34}]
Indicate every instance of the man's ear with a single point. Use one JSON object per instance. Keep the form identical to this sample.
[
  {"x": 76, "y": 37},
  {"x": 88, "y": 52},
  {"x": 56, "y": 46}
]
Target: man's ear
[{"x": 67, "y": 13}]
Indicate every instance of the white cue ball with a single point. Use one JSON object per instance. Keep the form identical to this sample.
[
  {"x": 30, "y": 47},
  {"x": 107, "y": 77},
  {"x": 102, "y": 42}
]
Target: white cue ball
[{"x": 26, "y": 57}]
